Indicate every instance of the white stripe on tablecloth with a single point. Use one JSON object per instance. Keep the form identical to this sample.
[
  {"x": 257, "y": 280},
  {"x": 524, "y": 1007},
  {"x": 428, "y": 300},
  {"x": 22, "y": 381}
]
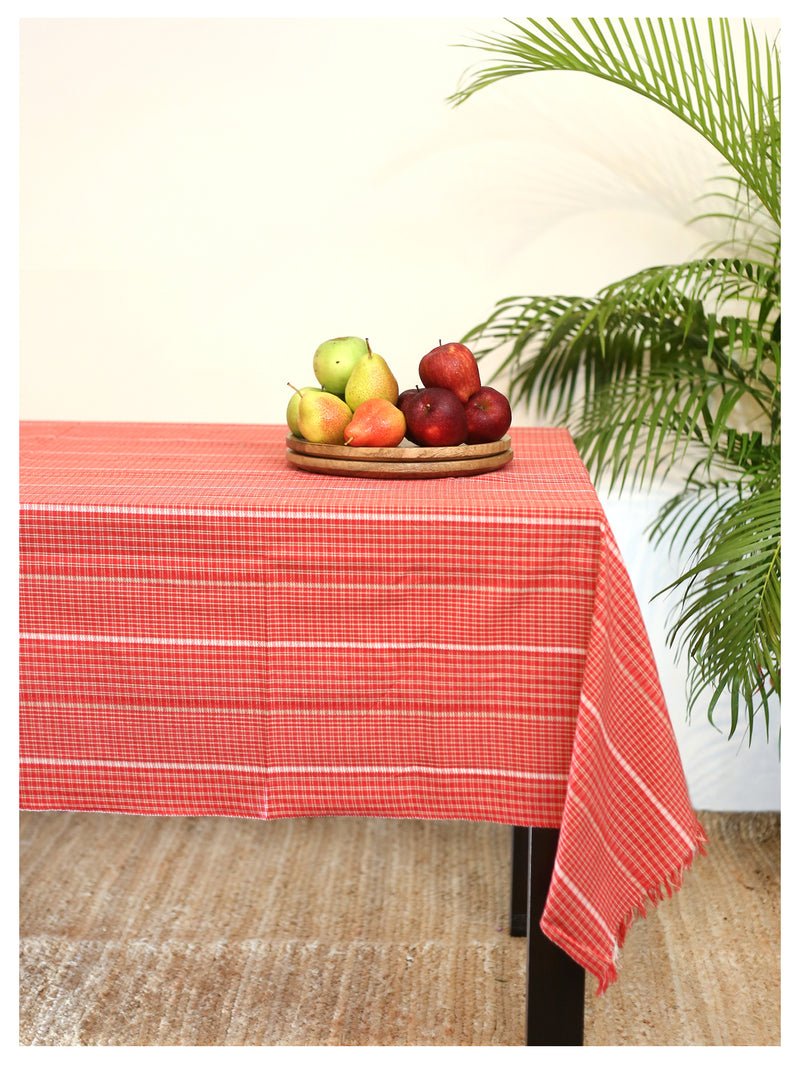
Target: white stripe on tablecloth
[
  {"x": 484, "y": 518},
  {"x": 205, "y": 642},
  {"x": 524, "y": 714},
  {"x": 297, "y": 768},
  {"x": 635, "y": 777},
  {"x": 598, "y": 918}
]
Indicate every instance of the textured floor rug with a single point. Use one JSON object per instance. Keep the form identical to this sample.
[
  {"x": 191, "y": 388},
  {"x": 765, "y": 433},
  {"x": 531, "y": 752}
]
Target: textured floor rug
[{"x": 204, "y": 932}]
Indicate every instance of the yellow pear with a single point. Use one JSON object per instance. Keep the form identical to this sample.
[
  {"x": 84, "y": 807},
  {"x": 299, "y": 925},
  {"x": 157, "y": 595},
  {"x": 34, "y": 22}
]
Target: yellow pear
[
  {"x": 370, "y": 379},
  {"x": 294, "y": 404},
  {"x": 322, "y": 417}
]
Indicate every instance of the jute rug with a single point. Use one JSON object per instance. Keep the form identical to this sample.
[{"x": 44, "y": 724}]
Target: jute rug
[{"x": 205, "y": 932}]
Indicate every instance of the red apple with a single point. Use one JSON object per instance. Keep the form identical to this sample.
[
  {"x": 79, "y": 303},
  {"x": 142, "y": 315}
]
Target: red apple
[
  {"x": 435, "y": 417},
  {"x": 406, "y": 395},
  {"x": 488, "y": 416},
  {"x": 451, "y": 366}
]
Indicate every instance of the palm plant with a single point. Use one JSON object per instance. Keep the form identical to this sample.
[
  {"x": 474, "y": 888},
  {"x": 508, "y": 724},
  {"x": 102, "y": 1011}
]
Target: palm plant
[{"x": 677, "y": 367}]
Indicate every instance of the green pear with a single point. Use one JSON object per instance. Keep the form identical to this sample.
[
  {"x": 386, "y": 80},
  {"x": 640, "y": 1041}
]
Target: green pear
[
  {"x": 334, "y": 361},
  {"x": 322, "y": 417},
  {"x": 294, "y": 404},
  {"x": 371, "y": 379}
]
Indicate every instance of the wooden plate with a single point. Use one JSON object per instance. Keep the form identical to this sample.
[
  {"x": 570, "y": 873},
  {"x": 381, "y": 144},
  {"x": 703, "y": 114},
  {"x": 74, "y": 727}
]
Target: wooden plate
[
  {"x": 405, "y": 461},
  {"x": 404, "y": 453}
]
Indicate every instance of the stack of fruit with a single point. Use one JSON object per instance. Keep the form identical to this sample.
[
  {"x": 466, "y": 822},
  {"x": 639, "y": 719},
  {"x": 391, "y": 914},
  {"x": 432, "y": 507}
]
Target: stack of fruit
[{"x": 358, "y": 402}]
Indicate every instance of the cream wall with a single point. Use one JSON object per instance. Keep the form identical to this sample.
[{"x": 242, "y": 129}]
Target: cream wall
[{"x": 204, "y": 201}]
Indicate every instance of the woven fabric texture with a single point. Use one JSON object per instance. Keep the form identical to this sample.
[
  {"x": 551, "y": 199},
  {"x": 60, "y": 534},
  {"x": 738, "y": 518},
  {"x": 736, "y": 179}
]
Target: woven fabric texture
[{"x": 208, "y": 631}]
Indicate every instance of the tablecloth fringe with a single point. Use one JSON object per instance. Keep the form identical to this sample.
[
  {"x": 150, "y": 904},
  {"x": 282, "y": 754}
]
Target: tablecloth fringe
[{"x": 654, "y": 894}]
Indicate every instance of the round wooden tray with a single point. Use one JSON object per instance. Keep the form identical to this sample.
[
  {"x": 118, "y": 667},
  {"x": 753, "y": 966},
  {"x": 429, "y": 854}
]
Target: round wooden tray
[{"x": 405, "y": 461}]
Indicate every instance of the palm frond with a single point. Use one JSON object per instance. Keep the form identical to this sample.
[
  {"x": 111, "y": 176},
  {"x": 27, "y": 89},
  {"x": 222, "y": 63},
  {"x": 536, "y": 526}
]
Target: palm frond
[
  {"x": 639, "y": 334},
  {"x": 749, "y": 231},
  {"x": 667, "y": 62},
  {"x": 729, "y": 618},
  {"x": 681, "y": 518},
  {"x": 677, "y": 362}
]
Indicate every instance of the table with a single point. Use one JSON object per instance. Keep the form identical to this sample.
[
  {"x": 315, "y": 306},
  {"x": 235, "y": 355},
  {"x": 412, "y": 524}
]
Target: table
[{"x": 207, "y": 631}]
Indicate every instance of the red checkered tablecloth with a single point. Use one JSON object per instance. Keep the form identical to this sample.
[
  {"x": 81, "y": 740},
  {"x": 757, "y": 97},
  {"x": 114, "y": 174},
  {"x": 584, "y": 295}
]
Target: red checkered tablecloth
[{"x": 208, "y": 631}]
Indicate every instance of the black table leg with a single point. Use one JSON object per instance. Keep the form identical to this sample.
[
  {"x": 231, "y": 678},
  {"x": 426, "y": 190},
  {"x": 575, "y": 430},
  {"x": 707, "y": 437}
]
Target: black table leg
[
  {"x": 519, "y": 881},
  {"x": 555, "y": 983}
]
